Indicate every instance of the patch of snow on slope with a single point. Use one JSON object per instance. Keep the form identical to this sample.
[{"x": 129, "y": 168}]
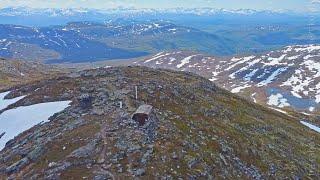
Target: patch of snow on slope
[
  {"x": 172, "y": 59},
  {"x": 279, "y": 110},
  {"x": 308, "y": 48},
  {"x": 297, "y": 83},
  {"x": 214, "y": 74},
  {"x": 311, "y": 109},
  {"x": 288, "y": 49},
  {"x": 313, "y": 66},
  {"x": 313, "y": 127},
  {"x": 272, "y": 77},
  {"x": 253, "y": 96},
  {"x": 309, "y": 56},
  {"x": 318, "y": 93},
  {"x": 275, "y": 61},
  {"x": 238, "y": 89},
  {"x": 6, "y": 102},
  {"x": 15, "y": 121},
  {"x": 235, "y": 59},
  {"x": 185, "y": 61},
  {"x": 317, "y": 98},
  {"x": 250, "y": 75},
  {"x": 293, "y": 57},
  {"x": 278, "y": 100},
  {"x": 239, "y": 61},
  {"x": 249, "y": 64},
  {"x": 157, "y": 56}
]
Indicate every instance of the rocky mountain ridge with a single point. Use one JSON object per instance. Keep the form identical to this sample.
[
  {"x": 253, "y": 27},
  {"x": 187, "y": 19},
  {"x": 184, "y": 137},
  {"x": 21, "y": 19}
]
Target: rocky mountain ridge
[
  {"x": 285, "y": 78},
  {"x": 198, "y": 131}
]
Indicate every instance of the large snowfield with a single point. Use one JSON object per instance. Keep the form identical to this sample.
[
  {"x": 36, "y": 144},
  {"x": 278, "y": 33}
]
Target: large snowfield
[{"x": 15, "y": 121}]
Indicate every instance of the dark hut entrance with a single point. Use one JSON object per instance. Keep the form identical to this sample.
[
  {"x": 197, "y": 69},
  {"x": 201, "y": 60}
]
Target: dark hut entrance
[{"x": 142, "y": 114}]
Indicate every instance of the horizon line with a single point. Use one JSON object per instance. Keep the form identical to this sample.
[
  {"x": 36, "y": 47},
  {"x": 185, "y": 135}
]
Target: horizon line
[{"x": 152, "y": 8}]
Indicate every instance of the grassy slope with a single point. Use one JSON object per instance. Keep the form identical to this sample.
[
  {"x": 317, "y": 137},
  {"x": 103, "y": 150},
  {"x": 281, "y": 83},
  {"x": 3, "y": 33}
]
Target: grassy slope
[{"x": 10, "y": 72}]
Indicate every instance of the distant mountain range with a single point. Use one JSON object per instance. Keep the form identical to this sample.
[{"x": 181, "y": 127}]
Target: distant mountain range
[
  {"x": 55, "y": 12},
  {"x": 87, "y": 41},
  {"x": 88, "y": 35},
  {"x": 285, "y": 78},
  {"x": 51, "y": 16},
  {"x": 123, "y": 39}
]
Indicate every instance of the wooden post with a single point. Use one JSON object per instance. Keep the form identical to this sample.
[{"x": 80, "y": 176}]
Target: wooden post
[{"x": 136, "y": 88}]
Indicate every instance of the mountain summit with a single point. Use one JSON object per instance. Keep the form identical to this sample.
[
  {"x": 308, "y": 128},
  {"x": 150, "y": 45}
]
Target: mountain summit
[{"x": 193, "y": 130}]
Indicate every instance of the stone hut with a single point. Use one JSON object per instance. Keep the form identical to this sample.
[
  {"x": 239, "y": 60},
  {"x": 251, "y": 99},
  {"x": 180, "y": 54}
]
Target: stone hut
[
  {"x": 85, "y": 100},
  {"x": 142, "y": 114}
]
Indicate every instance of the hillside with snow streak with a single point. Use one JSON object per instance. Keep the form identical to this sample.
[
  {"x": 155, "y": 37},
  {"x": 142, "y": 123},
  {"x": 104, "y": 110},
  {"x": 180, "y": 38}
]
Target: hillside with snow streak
[{"x": 286, "y": 78}]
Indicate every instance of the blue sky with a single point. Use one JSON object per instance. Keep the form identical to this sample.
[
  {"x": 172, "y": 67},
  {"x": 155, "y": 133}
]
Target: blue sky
[{"x": 297, "y": 5}]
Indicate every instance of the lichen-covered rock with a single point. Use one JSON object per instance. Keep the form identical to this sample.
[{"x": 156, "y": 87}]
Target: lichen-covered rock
[
  {"x": 84, "y": 151},
  {"x": 36, "y": 153},
  {"x": 17, "y": 166}
]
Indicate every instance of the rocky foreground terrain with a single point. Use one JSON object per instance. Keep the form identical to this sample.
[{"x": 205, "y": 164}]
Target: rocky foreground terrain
[
  {"x": 196, "y": 131},
  {"x": 15, "y": 72},
  {"x": 286, "y": 79}
]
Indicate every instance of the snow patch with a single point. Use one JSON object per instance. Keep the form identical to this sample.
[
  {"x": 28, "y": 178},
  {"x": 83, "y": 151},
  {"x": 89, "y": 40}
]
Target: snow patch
[
  {"x": 293, "y": 57},
  {"x": 6, "y": 102},
  {"x": 278, "y": 100},
  {"x": 238, "y": 89},
  {"x": 275, "y": 61},
  {"x": 279, "y": 110},
  {"x": 308, "y": 48},
  {"x": 15, "y": 121},
  {"x": 253, "y": 96},
  {"x": 239, "y": 61},
  {"x": 250, "y": 75},
  {"x": 271, "y": 78},
  {"x": 185, "y": 61},
  {"x": 311, "y": 109},
  {"x": 157, "y": 56},
  {"x": 313, "y": 66},
  {"x": 214, "y": 74},
  {"x": 311, "y": 126}
]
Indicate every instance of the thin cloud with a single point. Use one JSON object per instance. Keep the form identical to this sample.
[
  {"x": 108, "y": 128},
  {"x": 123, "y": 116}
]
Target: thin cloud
[
  {"x": 298, "y": 5},
  {"x": 98, "y": 4},
  {"x": 315, "y": 1}
]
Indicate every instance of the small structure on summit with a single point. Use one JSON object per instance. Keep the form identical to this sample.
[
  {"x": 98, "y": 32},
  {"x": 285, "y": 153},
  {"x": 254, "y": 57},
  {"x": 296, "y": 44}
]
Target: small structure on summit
[
  {"x": 142, "y": 114},
  {"x": 85, "y": 100}
]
